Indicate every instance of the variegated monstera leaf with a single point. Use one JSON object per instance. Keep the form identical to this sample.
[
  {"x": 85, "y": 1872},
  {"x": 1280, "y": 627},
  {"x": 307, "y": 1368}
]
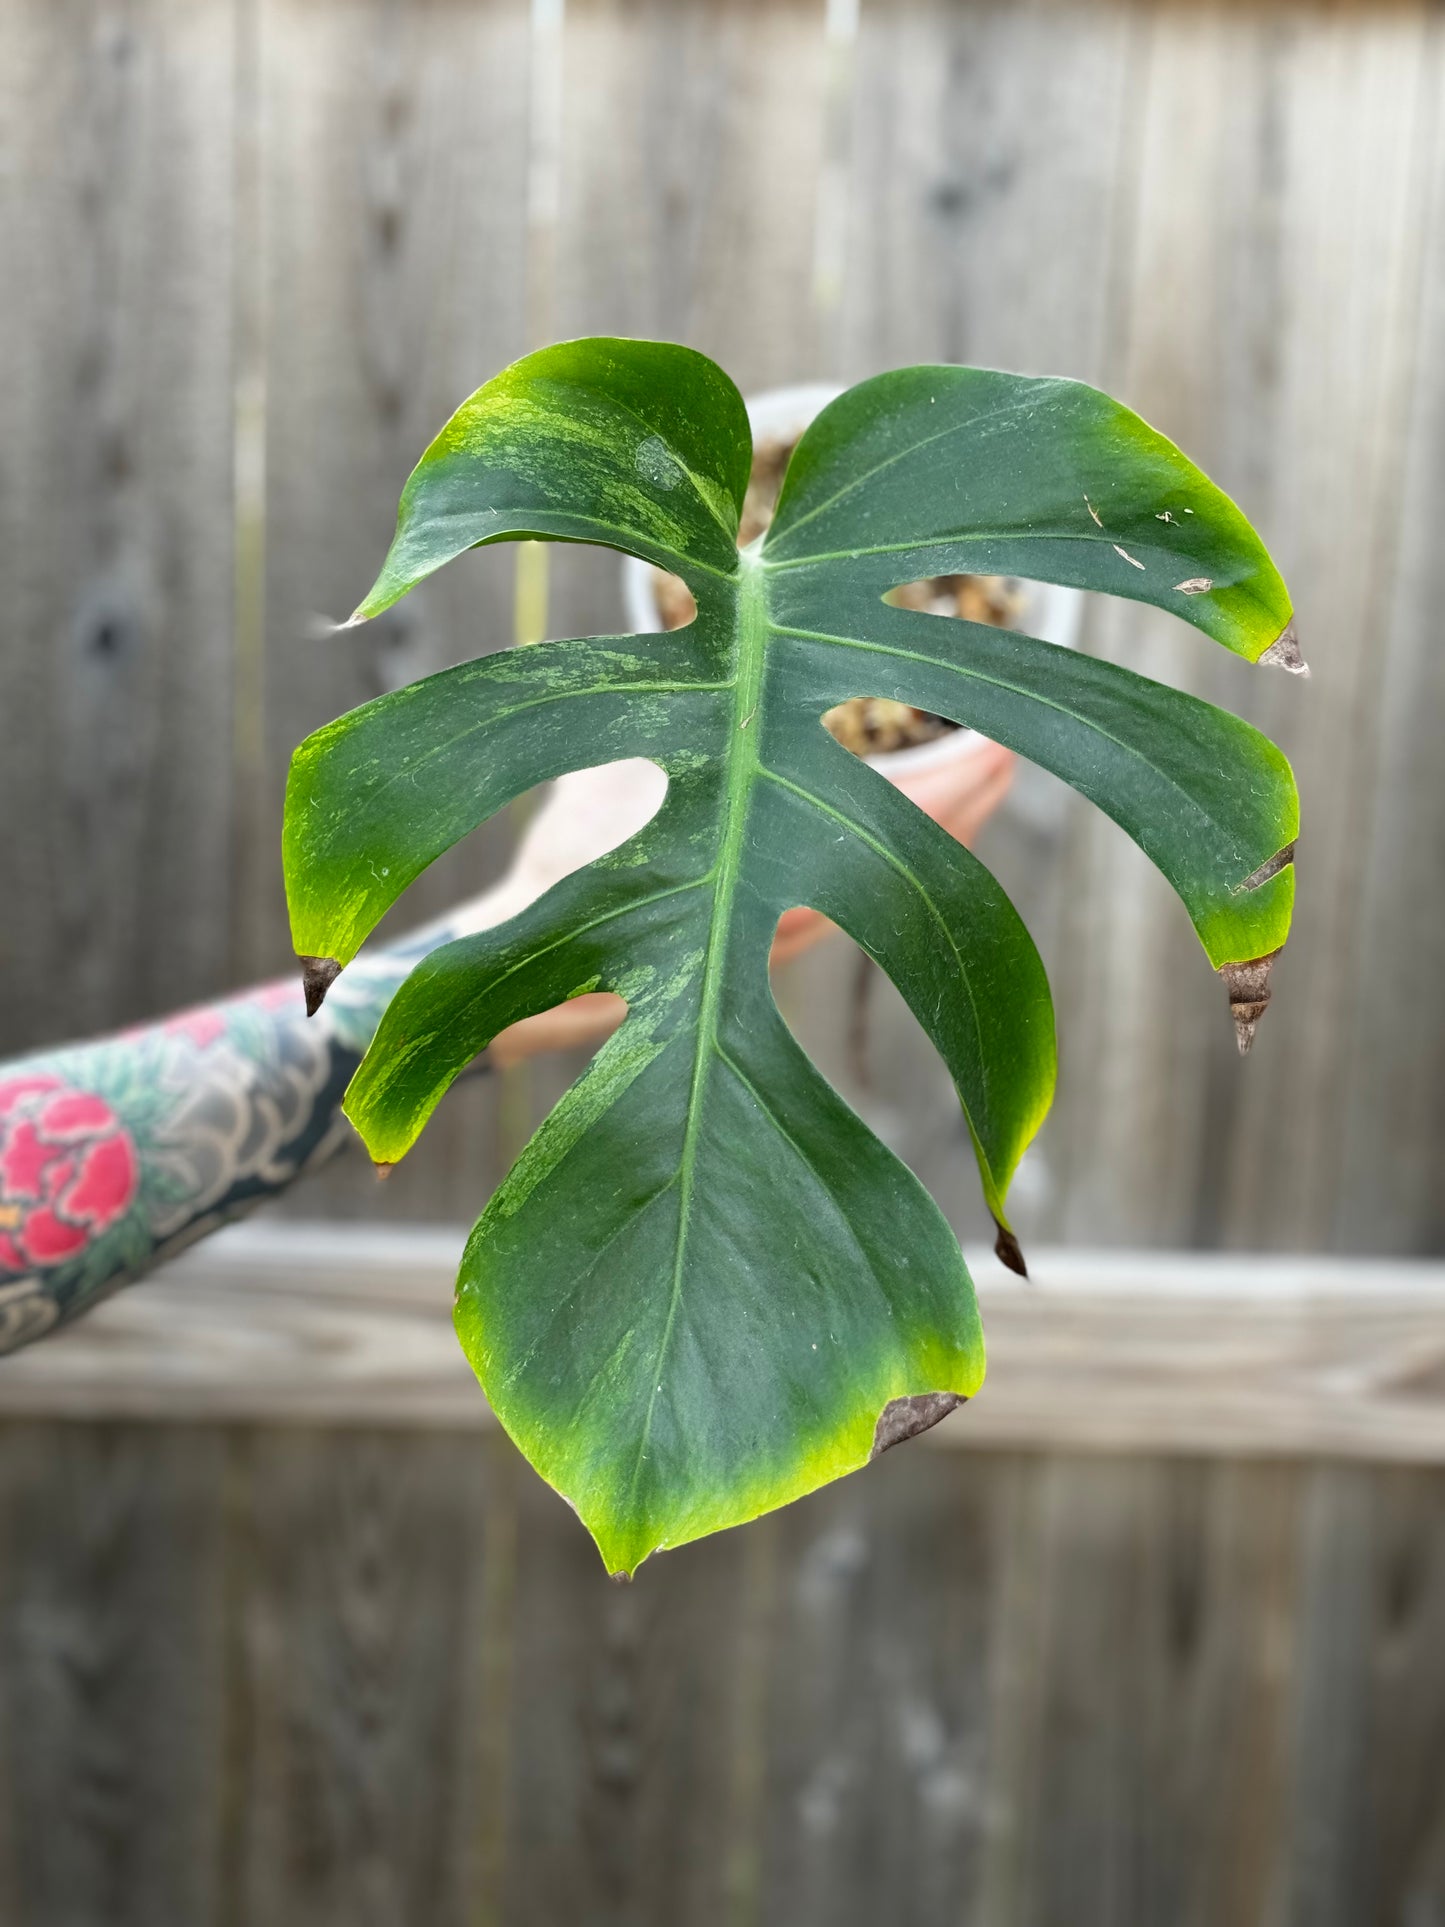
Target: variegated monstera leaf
[{"x": 705, "y": 1287}]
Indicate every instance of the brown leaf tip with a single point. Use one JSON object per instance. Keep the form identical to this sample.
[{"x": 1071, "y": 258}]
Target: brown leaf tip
[
  {"x": 1284, "y": 653},
  {"x": 382, "y": 1169},
  {"x": 1249, "y": 993},
  {"x": 905, "y": 1418},
  {"x": 318, "y": 974},
  {"x": 1008, "y": 1250}
]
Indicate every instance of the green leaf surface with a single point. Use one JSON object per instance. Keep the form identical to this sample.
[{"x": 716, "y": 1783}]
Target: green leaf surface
[
  {"x": 705, "y": 1288},
  {"x": 927, "y": 471}
]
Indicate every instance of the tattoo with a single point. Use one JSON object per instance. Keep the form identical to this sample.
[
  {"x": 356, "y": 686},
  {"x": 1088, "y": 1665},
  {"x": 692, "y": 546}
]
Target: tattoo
[{"x": 116, "y": 1154}]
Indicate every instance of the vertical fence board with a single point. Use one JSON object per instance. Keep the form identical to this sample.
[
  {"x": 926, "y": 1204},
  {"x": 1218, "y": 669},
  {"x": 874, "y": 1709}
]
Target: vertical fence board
[
  {"x": 1364, "y": 1830},
  {"x": 698, "y": 224},
  {"x": 1278, "y": 183},
  {"x": 282, "y": 1675},
  {"x": 878, "y": 1779},
  {"x": 623, "y": 1729},
  {"x": 361, "y": 1625},
  {"x": 1354, "y": 269},
  {"x": 1392, "y": 1111},
  {"x": 395, "y": 145},
  {"x": 111, "y": 1668},
  {"x": 115, "y": 510}
]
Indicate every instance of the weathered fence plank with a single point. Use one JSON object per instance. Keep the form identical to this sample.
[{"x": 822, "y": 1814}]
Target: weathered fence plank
[
  {"x": 394, "y": 288},
  {"x": 112, "y": 1756},
  {"x": 622, "y": 1733},
  {"x": 356, "y": 1717},
  {"x": 1389, "y": 1196},
  {"x": 255, "y": 1677},
  {"x": 1357, "y": 129},
  {"x": 115, "y": 510},
  {"x": 881, "y": 1776}
]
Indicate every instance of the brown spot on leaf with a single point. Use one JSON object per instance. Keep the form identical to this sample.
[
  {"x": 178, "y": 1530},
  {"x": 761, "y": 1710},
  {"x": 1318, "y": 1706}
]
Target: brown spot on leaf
[
  {"x": 318, "y": 974},
  {"x": 1271, "y": 867},
  {"x": 1284, "y": 653},
  {"x": 1249, "y": 993},
  {"x": 1008, "y": 1250},
  {"x": 905, "y": 1418}
]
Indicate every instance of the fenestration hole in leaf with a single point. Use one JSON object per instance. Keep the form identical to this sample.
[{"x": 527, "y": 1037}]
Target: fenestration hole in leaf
[
  {"x": 579, "y": 1027},
  {"x": 574, "y": 821},
  {"x": 1001, "y": 601}
]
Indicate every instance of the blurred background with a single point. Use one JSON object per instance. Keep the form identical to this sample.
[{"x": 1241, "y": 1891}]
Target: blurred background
[{"x": 254, "y": 253}]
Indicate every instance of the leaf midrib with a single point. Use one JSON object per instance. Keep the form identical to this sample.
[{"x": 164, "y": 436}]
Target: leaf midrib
[{"x": 751, "y": 629}]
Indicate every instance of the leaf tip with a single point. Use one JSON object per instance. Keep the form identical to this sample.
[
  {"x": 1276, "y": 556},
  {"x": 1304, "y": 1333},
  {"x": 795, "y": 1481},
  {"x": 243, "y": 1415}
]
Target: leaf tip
[
  {"x": 318, "y": 974},
  {"x": 1008, "y": 1250},
  {"x": 382, "y": 1169},
  {"x": 1249, "y": 993},
  {"x": 905, "y": 1418},
  {"x": 1284, "y": 652}
]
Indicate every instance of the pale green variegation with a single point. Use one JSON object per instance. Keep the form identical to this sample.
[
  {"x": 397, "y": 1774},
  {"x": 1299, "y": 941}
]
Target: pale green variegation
[{"x": 705, "y": 1287}]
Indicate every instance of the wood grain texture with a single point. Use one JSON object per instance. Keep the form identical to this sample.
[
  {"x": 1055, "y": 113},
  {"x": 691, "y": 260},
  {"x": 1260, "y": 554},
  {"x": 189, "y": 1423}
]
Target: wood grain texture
[
  {"x": 622, "y": 1730},
  {"x": 1389, "y": 1196},
  {"x": 1141, "y": 1654},
  {"x": 394, "y": 288},
  {"x": 699, "y": 226},
  {"x": 1279, "y": 180},
  {"x": 358, "y": 1779},
  {"x": 112, "y": 1752},
  {"x": 257, "y": 1677},
  {"x": 881, "y": 1775},
  {"x": 1362, "y": 1845},
  {"x": 115, "y": 510}
]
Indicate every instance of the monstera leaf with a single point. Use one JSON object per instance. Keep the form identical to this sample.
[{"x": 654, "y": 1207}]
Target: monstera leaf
[{"x": 705, "y": 1288}]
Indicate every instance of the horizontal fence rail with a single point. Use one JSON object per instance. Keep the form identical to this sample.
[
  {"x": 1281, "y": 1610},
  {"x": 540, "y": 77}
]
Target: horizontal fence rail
[{"x": 1114, "y": 1351}]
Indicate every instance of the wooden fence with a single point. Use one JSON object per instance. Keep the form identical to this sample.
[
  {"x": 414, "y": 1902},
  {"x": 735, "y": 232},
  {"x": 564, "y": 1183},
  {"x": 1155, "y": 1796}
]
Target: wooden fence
[
  {"x": 255, "y": 250},
  {"x": 1148, "y": 1636}
]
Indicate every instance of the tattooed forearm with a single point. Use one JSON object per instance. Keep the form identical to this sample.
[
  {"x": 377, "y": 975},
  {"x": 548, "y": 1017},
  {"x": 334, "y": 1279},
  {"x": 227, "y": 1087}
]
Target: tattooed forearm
[{"x": 115, "y": 1154}]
